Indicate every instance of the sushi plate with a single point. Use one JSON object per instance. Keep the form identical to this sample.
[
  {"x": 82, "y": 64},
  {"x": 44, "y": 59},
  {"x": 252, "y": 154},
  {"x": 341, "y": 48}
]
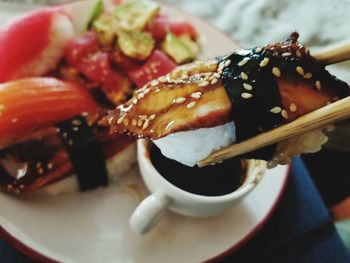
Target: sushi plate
[{"x": 93, "y": 226}]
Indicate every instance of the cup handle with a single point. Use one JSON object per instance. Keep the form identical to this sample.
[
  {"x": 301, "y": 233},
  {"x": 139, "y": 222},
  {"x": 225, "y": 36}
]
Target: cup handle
[{"x": 149, "y": 212}]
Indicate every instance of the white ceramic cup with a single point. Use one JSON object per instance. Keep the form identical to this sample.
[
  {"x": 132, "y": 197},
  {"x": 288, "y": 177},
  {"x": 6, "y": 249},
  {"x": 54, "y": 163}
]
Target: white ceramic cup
[{"x": 164, "y": 195}]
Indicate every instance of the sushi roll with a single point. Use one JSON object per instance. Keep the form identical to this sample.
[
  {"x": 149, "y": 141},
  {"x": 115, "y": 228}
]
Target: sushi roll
[
  {"x": 33, "y": 44},
  {"x": 49, "y": 139},
  {"x": 203, "y": 106}
]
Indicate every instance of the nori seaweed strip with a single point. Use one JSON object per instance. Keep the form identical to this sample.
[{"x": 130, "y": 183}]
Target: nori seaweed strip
[
  {"x": 84, "y": 152},
  {"x": 5, "y": 177},
  {"x": 252, "y": 116}
]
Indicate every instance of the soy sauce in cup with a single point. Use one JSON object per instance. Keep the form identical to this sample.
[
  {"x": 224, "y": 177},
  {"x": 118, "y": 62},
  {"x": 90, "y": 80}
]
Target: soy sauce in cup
[{"x": 219, "y": 179}]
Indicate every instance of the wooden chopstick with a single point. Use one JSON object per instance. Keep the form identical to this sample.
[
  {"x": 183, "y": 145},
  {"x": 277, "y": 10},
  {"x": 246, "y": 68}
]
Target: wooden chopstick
[
  {"x": 334, "y": 53},
  {"x": 319, "y": 118}
]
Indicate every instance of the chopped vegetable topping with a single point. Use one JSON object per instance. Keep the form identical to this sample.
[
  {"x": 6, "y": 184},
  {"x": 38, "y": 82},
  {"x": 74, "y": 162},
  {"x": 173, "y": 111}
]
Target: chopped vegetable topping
[{"x": 135, "y": 14}]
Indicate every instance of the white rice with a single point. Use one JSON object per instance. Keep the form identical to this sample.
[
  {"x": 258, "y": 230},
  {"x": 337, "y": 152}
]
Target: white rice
[
  {"x": 60, "y": 33},
  {"x": 189, "y": 147},
  {"x": 192, "y": 146}
]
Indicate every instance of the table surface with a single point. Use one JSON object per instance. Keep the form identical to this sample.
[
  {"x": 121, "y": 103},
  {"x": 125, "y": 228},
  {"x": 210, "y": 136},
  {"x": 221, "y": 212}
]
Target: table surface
[{"x": 300, "y": 230}]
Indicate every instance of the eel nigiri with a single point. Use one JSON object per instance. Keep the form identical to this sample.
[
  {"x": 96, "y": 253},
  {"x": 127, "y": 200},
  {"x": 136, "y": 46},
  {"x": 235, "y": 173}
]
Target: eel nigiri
[
  {"x": 202, "y": 106},
  {"x": 33, "y": 44},
  {"x": 49, "y": 133}
]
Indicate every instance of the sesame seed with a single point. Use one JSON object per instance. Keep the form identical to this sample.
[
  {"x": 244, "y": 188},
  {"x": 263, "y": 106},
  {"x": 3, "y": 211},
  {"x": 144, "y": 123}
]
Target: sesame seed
[
  {"x": 110, "y": 120},
  {"x": 38, "y": 165},
  {"x": 284, "y": 114},
  {"x": 70, "y": 142},
  {"x": 227, "y": 63},
  {"x": 121, "y": 119},
  {"x": 216, "y": 75},
  {"x": 179, "y": 100},
  {"x": 276, "y": 71},
  {"x": 246, "y": 95},
  {"x": 134, "y": 122},
  {"x": 300, "y": 70},
  {"x": 85, "y": 114},
  {"x": 147, "y": 91},
  {"x": 40, "y": 170},
  {"x": 140, "y": 96},
  {"x": 191, "y": 104},
  {"x": 264, "y": 62},
  {"x": 318, "y": 84},
  {"x": 244, "y": 75},
  {"x": 21, "y": 186},
  {"x": 293, "y": 107},
  {"x": 126, "y": 122},
  {"x": 152, "y": 117},
  {"x": 135, "y": 101},
  {"x": 258, "y": 49},
  {"x": 243, "y": 62},
  {"x": 49, "y": 166},
  {"x": 247, "y": 86},
  {"x": 221, "y": 66},
  {"x": 143, "y": 117},
  {"x": 75, "y": 128},
  {"x": 286, "y": 54},
  {"x": 139, "y": 122},
  {"x": 145, "y": 125},
  {"x": 298, "y": 53},
  {"x": 196, "y": 95},
  {"x": 76, "y": 122},
  {"x": 214, "y": 81},
  {"x": 65, "y": 135},
  {"x": 14, "y": 120},
  {"x": 308, "y": 75},
  {"x": 276, "y": 109},
  {"x": 203, "y": 83}
]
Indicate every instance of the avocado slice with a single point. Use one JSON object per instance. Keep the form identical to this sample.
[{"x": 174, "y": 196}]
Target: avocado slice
[
  {"x": 136, "y": 44},
  {"x": 177, "y": 48},
  {"x": 191, "y": 44},
  {"x": 135, "y": 14},
  {"x": 105, "y": 28}
]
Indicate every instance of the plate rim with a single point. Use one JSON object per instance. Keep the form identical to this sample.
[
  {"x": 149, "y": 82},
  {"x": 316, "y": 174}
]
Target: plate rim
[
  {"x": 256, "y": 229},
  {"x": 35, "y": 255},
  {"x": 38, "y": 256}
]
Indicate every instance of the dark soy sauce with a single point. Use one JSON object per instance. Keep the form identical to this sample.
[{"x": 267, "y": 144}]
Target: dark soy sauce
[{"x": 211, "y": 180}]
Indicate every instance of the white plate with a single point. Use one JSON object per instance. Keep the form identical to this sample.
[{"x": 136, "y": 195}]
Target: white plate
[{"x": 93, "y": 226}]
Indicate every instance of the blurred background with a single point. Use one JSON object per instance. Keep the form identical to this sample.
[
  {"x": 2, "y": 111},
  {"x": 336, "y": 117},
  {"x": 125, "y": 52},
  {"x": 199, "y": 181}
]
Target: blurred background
[{"x": 257, "y": 22}]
